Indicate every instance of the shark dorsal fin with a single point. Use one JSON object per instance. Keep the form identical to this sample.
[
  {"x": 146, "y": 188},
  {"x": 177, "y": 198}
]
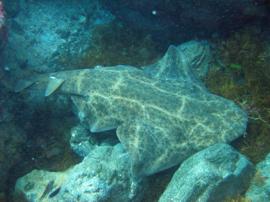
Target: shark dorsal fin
[
  {"x": 53, "y": 85},
  {"x": 171, "y": 66},
  {"x": 184, "y": 62}
]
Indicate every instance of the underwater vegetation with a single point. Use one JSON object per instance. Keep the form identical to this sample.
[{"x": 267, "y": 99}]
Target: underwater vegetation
[
  {"x": 242, "y": 74},
  {"x": 114, "y": 43}
]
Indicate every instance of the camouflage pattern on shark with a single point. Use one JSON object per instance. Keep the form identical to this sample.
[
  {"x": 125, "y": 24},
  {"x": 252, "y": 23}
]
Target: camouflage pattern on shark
[{"x": 162, "y": 113}]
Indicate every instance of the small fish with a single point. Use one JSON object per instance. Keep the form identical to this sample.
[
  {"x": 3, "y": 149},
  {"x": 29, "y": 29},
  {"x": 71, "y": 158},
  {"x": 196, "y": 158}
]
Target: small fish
[
  {"x": 48, "y": 189},
  {"x": 55, "y": 192}
]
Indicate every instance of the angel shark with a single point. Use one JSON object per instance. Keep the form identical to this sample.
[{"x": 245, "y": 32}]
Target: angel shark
[{"x": 162, "y": 113}]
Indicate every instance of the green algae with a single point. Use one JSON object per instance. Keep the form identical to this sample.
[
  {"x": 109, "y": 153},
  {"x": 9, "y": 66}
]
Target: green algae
[{"x": 233, "y": 66}]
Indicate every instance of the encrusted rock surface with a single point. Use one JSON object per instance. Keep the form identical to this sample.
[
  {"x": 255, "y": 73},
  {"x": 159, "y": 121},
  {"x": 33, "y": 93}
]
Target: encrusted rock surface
[
  {"x": 46, "y": 36},
  {"x": 214, "y": 174},
  {"x": 259, "y": 191},
  {"x": 102, "y": 176},
  {"x": 81, "y": 141}
]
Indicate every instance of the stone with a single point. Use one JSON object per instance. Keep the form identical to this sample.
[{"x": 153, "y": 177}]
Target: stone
[
  {"x": 46, "y": 36},
  {"x": 259, "y": 190},
  {"x": 81, "y": 142},
  {"x": 162, "y": 113},
  {"x": 217, "y": 173},
  {"x": 102, "y": 176}
]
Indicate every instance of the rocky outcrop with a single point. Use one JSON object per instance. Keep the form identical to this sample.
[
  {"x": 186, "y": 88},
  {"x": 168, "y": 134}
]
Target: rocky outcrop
[
  {"x": 259, "y": 191},
  {"x": 81, "y": 141},
  {"x": 46, "y": 36},
  {"x": 214, "y": 174},
  {"x": 102, "y": 176}
]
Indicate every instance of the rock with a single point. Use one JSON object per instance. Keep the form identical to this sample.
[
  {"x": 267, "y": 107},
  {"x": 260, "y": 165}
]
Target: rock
[
  {"x": 259, "y": 191},
  {"x": 46, "y": 36},
  {"x": 11, "y": 145},
  {"x": 81, "y": 142},
  {"x": 173, "y": 117},
  {"x": 102, "y": 176},
  {"x": 214, "y": 174}
]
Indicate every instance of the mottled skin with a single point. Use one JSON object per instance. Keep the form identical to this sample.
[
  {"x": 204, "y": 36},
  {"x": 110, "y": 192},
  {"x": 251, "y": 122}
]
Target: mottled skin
[{"x": 162, "y": 113}]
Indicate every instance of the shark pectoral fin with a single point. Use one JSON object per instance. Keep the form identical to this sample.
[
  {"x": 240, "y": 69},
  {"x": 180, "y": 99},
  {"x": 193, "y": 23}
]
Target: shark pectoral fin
[
  {"x": 53, "y": 85},
  {"x": 22, "y": 85},
  {"x": 145, "y": 146}
]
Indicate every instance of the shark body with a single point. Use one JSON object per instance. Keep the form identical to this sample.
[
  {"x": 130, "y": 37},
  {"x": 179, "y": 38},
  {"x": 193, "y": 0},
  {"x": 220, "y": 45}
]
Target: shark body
[{"x": 162, "y": 113}]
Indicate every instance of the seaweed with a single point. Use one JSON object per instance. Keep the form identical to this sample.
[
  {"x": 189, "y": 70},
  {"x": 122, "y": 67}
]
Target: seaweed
[{"x": 244, "y": 77}]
